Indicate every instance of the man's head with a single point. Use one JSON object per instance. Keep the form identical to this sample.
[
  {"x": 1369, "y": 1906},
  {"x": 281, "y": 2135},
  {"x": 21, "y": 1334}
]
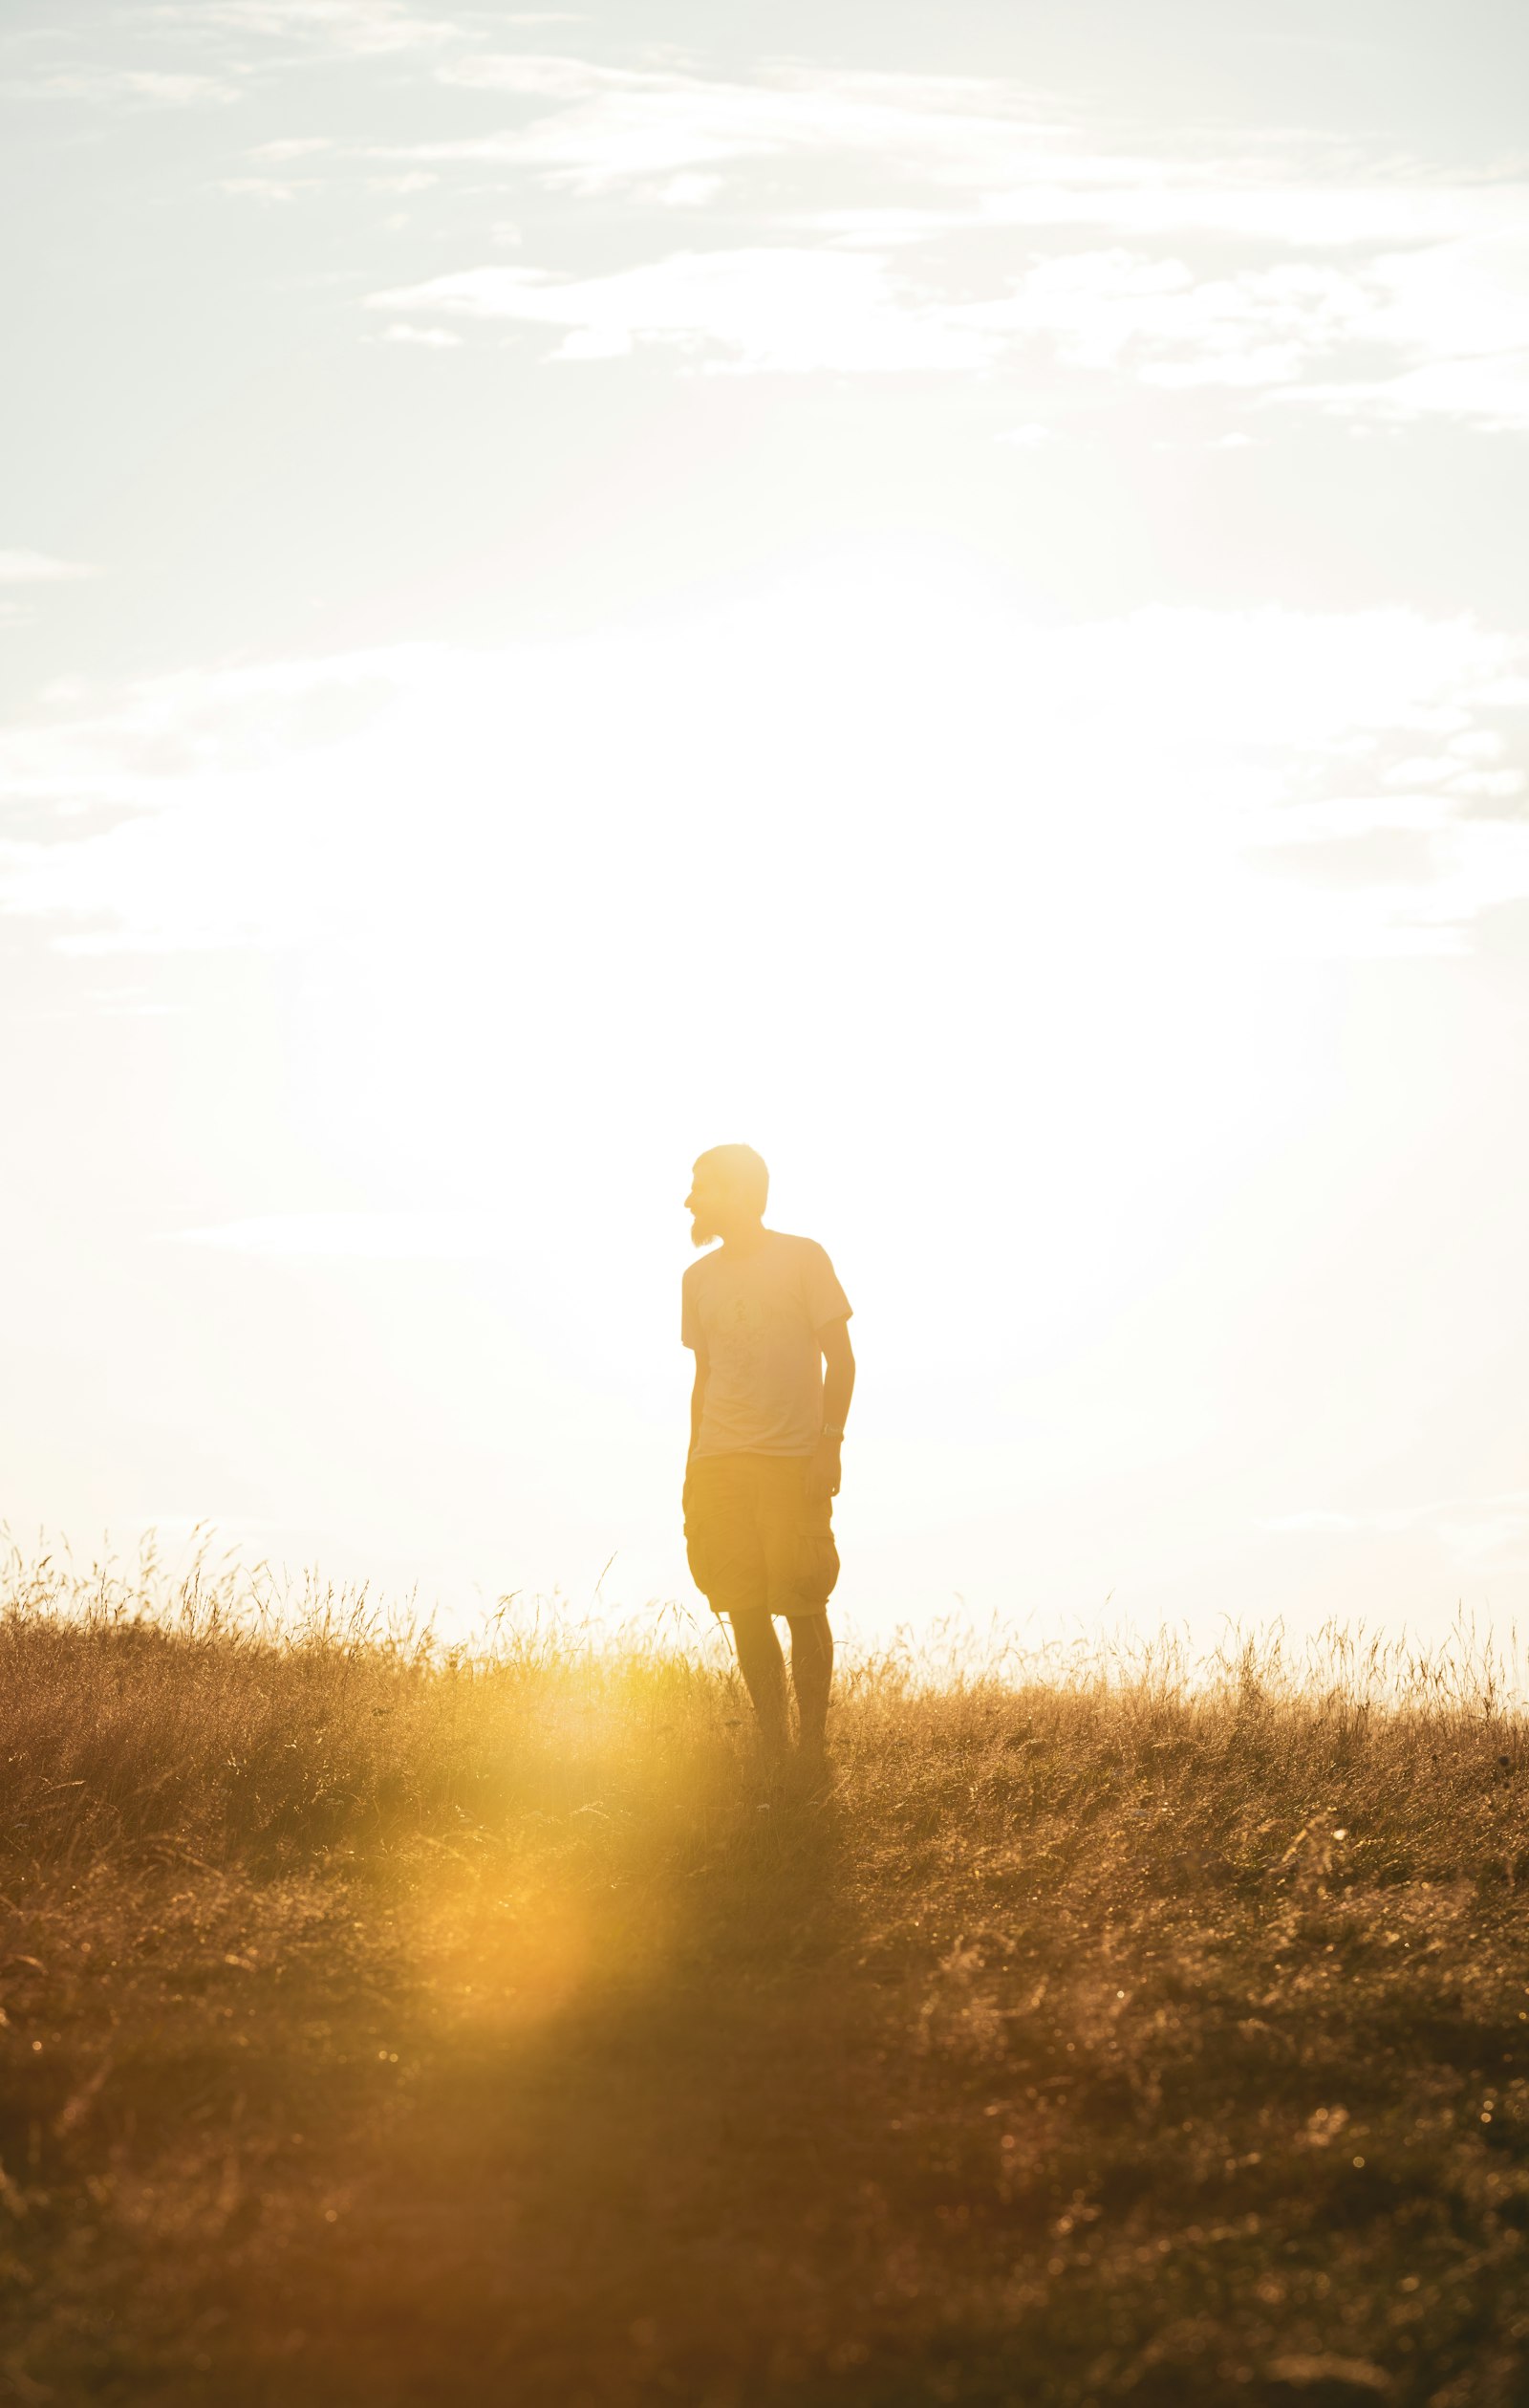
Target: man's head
[{"x": 728, "y": 1192}]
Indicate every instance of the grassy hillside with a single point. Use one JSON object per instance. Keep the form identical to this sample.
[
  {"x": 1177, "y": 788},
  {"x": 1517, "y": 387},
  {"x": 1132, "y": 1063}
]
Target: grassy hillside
[{"x": 394, "y": 2028}]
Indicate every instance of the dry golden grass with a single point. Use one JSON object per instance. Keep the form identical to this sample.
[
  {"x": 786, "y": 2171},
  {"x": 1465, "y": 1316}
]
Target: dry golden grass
[{"x": 387, "y": 2026}]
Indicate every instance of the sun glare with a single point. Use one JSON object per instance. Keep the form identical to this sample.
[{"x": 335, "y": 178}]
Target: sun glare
[{"x": 764, "y": 901}]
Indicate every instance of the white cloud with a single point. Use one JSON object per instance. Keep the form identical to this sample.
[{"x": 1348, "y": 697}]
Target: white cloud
[
  {"x": 1126, "y": 783},
  {"x": 146, "y": 87},
  {"x": 426, "y": 338},
  {"x": 1106, "y": 310},
  {"x": 780, "y": 310},
  {"x": 874, "y": 228},
  {"x": 1446, "y": 330},
  {"x": 1147, "y": 199},
  {"x": 354, "y": 27},
  {"x": 1394, "y": 293},
  {"x": 134, "y": 749},
  {"x": 609, "y": 126},
  {"x": 265, "y": 188},
  {"x": 882, "y": 211},
  {"x": 985, "y": 151},
  {"x": 1455, "y": 320},
  {"x": 688, "y": 191},
  {"x": 40, "y": 568},
  {"x": 175, "y": 91},
  {"x": 293, "y": 146}
]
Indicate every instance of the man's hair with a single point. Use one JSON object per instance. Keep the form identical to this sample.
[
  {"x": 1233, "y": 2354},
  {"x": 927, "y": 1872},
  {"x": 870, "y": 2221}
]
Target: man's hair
[{"x": 743, "y": 1171}]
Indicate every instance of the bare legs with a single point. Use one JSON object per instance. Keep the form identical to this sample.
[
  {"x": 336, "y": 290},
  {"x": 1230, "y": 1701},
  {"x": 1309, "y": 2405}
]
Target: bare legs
[
  {"x": 811, "y": 1677},
  {"x": 758, "y": 1661},
  {"x": 764, "y": 1670}
]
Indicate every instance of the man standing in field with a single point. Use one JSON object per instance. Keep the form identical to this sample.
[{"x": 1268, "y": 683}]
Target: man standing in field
[{"x": 765, "y": 1319}]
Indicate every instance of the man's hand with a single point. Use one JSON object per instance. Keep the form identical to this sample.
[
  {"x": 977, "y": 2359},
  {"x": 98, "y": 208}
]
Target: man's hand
[{"x": 823, "y": 1471}]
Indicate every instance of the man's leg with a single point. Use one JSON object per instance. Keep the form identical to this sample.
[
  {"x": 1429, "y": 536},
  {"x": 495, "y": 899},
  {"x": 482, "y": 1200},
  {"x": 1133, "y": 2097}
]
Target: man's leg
[
  {"x": 764, "y": 1671},
  {"x": 812, "y": 1676},
  {"x": 726, "y": 1553}
]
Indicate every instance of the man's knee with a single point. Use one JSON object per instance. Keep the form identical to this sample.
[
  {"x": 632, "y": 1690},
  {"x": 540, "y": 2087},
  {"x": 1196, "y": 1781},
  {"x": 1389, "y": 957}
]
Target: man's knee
[
  {"x": 812, "y": 1660},
  {"x": 754, "y": 1636},
  {"x": 810, "y": 1633}
]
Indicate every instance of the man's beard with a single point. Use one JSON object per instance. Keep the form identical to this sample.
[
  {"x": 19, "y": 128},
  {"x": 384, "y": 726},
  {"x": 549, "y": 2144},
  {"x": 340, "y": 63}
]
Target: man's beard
[{"x": 699, "y": 1234}]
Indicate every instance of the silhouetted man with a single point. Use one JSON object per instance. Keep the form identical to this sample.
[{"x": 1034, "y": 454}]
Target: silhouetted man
[{"x": 765, "y": 1318}]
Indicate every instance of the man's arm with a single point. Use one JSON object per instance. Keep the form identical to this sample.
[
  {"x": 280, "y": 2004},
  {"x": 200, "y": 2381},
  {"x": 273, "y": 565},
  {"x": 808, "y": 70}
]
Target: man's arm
[
  {"x": 697, "y": 1398},
  {"x": 838, "y": 1387}
]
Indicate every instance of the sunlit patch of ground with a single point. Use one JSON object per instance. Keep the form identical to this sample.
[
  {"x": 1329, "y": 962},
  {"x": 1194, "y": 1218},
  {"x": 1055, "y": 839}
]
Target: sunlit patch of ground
[{"x": 399, "y": 2029}]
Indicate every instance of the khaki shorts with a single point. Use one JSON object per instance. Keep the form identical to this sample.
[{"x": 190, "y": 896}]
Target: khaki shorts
[{"x": 755, "y": 1544}]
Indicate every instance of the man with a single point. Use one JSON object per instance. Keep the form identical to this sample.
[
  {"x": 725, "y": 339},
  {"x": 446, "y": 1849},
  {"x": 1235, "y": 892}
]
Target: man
[{"x": 768, "y": 1322}]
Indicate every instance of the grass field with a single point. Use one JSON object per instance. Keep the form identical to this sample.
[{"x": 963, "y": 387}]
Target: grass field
[{"x": 382, "y": 2026}]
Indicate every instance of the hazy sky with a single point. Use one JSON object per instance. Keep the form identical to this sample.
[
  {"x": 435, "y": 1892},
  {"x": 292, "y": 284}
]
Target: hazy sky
[{"x": 943, "y": 592}]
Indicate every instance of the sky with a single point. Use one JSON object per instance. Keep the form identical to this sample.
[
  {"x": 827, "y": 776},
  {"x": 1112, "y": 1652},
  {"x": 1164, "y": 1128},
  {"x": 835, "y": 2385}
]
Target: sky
[{"x": 943, "y": 592}]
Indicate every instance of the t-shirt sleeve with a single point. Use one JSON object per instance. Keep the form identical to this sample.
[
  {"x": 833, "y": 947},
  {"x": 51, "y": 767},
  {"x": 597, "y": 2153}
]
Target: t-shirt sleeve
[
  {"x": 826, "y": 1299},
  {"x": 689, "y": 1316}
]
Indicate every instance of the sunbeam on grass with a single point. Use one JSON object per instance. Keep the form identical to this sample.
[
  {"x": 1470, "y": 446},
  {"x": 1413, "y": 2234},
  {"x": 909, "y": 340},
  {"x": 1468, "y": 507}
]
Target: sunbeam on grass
[{"x": 392, "y": 2023}]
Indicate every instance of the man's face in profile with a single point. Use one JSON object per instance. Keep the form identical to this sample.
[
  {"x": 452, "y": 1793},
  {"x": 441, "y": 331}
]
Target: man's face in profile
[{"x": 706, "y": 1197}]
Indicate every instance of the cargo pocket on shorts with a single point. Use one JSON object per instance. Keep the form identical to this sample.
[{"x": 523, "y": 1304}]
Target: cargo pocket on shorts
[
  {"x": 817, "y": 1568},
  {"x": 698, "y": 1554},
  {"x": 711, "y": 1544}
]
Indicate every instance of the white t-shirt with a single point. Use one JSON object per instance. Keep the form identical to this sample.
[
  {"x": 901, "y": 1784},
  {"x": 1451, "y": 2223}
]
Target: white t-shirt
[{"x": 757, "y": 1319}]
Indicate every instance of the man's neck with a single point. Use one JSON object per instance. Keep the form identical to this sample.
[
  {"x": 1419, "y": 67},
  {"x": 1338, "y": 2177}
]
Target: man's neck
[{"x": 747, "y": 1239}]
